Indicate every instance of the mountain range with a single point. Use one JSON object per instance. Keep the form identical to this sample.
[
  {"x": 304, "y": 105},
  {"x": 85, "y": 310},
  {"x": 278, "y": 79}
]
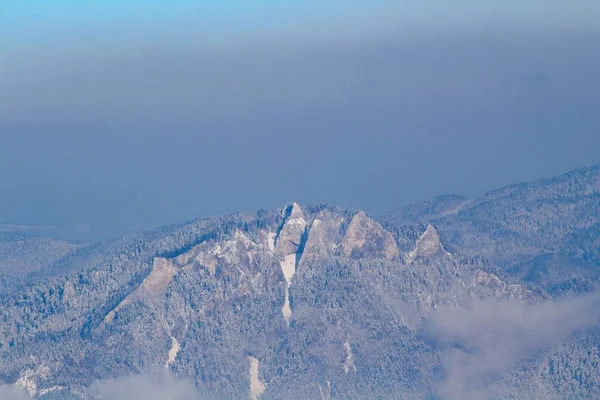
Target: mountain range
[{"x": 452, "y": 298}]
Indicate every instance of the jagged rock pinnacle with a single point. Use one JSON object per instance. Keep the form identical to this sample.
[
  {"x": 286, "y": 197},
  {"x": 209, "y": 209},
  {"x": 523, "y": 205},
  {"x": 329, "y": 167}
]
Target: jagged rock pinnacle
[
  {"x": 290, "y": 234},
  {"x": 366, "y": 237},
  {"x": 427, "y": 245},
  {"x": 316, "y": 245}
]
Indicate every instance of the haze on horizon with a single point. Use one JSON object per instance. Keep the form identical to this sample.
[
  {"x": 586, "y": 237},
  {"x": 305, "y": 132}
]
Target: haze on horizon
[{"x": 117, "y": 116}]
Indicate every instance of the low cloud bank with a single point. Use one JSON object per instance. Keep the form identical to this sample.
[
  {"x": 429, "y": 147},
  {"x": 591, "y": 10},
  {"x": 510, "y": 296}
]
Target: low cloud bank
[
  {"x": 159, "y": 386},
  {"x": 155, "y": 387},
  {"x": 12, "y": 393},
  {"x": 490, "y": 337}
]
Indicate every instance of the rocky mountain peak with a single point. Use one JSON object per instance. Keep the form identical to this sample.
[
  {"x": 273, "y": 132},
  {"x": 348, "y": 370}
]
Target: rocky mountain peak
[
  {"x": 295, "y": 211},
  {"x": 428, "y": 245},
  {"x": 429, "y": 242},
  {"x": 316, "y": 244},
  {"x": 290, "y": 233},
  {"x": 367, "y": 237}
]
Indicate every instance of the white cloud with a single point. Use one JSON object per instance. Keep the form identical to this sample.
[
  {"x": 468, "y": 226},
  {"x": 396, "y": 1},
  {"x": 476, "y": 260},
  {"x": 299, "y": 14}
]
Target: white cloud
[
  {"x": 489, "y": 338},
  {"x": 156, "y": 387},
  {"x": 12, "y": 393}
]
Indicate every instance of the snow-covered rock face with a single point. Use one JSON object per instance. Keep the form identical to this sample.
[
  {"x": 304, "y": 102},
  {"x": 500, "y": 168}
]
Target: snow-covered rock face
[
  {"x": 323, "y": 239},
  {"x": 366, "y": 237},
  {"x": 238, "y": 250},
  {"x": 286, "y": 249},
  {"x": 290, "y": 236},
  {"x": 316, "y": 246},
  {"x": 162, "y": 273},
  {"x": 428, "y": 245}
]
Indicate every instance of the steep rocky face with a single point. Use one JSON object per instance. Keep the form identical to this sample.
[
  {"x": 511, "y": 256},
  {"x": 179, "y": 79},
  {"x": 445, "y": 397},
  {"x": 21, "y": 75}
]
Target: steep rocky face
[
  {"x": 291, "y": 232},
  {"x": 317, "y": 245},
  {"x": 367, "y": 237},
  {"x": 287, "y": 248},
  {"x": 153, "y": 285},
  {"x": 325, "y": 236},
  {"x": 428, "y": 245}
]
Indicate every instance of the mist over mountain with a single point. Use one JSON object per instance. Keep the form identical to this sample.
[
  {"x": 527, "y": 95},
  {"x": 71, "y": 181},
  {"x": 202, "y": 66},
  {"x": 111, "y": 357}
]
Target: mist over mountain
[{"x": 453, "y": 298}]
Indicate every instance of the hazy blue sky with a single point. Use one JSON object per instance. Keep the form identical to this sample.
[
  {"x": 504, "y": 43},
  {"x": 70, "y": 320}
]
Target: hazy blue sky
[{"x": 117, "y": 116}]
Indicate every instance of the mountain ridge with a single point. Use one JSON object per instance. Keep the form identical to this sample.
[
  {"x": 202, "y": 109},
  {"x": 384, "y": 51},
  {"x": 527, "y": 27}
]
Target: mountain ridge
[{"x": 289, "y": 303}]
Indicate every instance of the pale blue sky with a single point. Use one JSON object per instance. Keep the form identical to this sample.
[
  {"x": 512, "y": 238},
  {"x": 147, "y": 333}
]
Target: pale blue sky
[{"x": 117, "y": 116}]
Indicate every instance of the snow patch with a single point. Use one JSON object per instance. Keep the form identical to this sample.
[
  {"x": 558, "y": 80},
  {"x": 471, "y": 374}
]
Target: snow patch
[
  {"x": 286, "y": 310},
  {"x": 288, "y": 267},
  {"x": 257, "y": 387},
  {"x": 349, "y": 363},
  {"x": 325, "y": 392},
  {"x": 271, "y": 236},
  {"x": 173, "y": 351}
]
